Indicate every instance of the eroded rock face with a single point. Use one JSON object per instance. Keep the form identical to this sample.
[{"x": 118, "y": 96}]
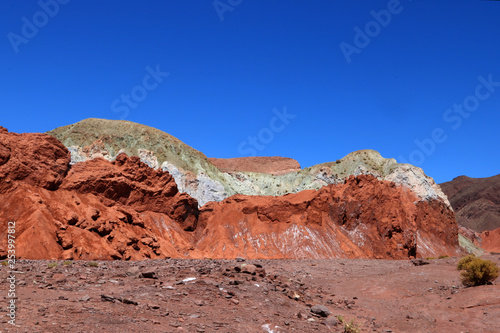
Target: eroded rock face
[
  {"x": 129, "y": 182},
  {"x": 362, "y": 218},
  {"x": 65, "y": 224},
  {"x": 124, "y": 209},
  {"x": 94, "y": 210},
  {"x": 37, "y": 159}
]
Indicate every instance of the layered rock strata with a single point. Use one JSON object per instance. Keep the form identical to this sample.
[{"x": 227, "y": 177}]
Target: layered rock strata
[
  {"x": 124, "y": 209},
  {"x": 197, "y": 176}
]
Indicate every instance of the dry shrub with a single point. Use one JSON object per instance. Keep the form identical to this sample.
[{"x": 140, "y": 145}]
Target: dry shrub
[
  {"x": 465, "y": 260},
  {"x": 477, "y": 271}
]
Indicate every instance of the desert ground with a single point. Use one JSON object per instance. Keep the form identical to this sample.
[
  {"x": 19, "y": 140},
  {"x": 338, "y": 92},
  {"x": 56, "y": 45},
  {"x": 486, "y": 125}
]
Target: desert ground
[{"x": 175, "y": 295}]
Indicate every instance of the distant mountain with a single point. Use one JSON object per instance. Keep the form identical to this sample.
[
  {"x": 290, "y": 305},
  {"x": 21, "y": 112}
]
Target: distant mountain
[{"x": 476, "y": 201}]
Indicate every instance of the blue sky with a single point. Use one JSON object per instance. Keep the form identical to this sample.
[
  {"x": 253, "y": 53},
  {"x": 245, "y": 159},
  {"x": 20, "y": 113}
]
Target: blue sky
[{"x": 313, "y": 80}]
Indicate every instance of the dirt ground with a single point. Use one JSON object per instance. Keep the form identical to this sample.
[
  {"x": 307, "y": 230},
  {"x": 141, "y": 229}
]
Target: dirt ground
[{"x": 246, "y": 296}]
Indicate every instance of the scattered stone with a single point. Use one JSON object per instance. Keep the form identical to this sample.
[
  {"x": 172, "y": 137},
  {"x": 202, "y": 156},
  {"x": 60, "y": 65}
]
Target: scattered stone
[
  {"x": 85, "y": 298},
  {"x": 132, "y": 271},
  {"x": 148, "y": 275},
  {"x": 331, "y": 321},
  {"x": 189, "y": 279},
  {"x": 128, "y": 301},
  {"x": 240, "y": 259},
  {"x": 59, "y": 278},
  {"x": 248, "y": 268},
  {"x": 419, "y": 262},
  {"x": 320, "y": 310},
  {"x": 235, "y": 282},
  {"x": 107, "y": 298}
]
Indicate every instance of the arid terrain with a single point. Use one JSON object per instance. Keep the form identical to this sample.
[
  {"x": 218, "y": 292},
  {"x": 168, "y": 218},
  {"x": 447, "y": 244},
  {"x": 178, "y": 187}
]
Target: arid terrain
[{"x": 179, "y": 295}]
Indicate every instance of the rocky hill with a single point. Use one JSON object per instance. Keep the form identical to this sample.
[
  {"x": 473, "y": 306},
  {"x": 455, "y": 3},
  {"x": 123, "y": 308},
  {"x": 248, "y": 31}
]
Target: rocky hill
[
  {"x": 197, "y": 176},
  {"x": 476, "y": 202},
  {"x": 119, "y": 207}
]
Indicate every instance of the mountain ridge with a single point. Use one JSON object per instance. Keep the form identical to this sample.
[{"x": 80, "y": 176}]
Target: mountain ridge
[
  {"x": 198, "y": 177},
  {"x": 476, "y": 202}
]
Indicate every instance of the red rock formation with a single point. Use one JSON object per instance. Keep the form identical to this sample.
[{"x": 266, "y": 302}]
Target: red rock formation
[
  {"x": 363, "y": 218},
  {"x": 66, "y": 224},
  {"x": 131, "y": 183},
  {"x": 273, "y": 165},
  {"x": 99, "y": 210},
  {"x": 126, "y": 210},
  {"x": 36, "y": 159}
]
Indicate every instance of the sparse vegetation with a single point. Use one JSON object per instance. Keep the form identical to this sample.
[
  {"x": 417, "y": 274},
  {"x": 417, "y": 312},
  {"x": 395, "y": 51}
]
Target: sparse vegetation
[
  {"x": 443, "y": 256},
  {"x": 465, "y": 260},
  {"x": 477, "y": 271},
  {"x": 430, "y": 258},
  {"x": 67, "y": 263},
  {"x": 93, "y": 264},
  {"x": 52, "y": 265},
  {"x": 349, "y": 327},
  {"x": 4, "y": 263}
]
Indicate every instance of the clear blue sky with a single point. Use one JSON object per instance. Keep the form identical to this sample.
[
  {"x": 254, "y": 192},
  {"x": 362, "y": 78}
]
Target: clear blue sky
[{"x": 231, "y": 64}]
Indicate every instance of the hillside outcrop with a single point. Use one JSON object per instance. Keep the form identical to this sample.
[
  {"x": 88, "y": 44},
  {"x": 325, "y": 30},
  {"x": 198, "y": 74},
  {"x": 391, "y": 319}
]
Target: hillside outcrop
[
  {"x": 361, "y": 218},
  {"x": 476, "y": 202},
  {"x": 125, "y": 209},
  {"x": 197, "y": 176}
]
